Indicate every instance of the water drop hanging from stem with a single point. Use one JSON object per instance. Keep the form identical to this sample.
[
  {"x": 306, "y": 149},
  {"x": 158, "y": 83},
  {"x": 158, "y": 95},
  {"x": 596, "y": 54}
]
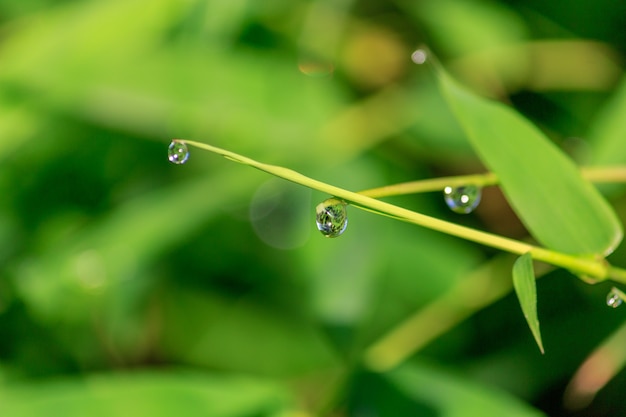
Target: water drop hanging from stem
[
  {"x": 419, "y": 56},
  {"x": 177, "y": 152},
  {"x": 331, "y": 217},
  {"x": 463, "y": 199},
  {"x": 614, "y": 298}
]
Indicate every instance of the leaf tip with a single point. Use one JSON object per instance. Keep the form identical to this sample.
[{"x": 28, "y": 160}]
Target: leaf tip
[
  {"x": 540, "y": 344},
  {"x": 526, "y": 290}
]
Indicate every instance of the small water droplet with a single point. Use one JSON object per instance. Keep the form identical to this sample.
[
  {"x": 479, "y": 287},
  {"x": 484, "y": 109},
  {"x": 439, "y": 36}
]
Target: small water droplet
[
  {"x": 463, "y": 199},
  {"x": 419, "y": 56},
  {"x": 613, "y": 299},
  {"x": 177, "y": 152},
  {"x": 331, "y": 217}
]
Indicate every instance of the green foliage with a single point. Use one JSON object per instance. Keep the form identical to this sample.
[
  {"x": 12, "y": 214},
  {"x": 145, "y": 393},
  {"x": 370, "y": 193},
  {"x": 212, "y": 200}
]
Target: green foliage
[
  {"x": 526, "y": 290},
  {"x": 607, "y": 133},
  {"x": 560, "y": 209},
  {"x": 435, "y": 388},
  {"x": 148, "y": 394},
  {"x": 131, "y": 286}
]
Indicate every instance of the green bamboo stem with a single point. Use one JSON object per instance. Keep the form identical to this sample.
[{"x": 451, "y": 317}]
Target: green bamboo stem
[
  {"x": 616, "y": 274},
  {"x": 594, "y": 174},
  {"x": 434, "y": 184},
  {"x": 597, "y": 269},
  {"x": 616, "y": 174}
]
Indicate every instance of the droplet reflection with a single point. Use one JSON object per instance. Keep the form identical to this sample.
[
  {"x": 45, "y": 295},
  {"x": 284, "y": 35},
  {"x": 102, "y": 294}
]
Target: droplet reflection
[
  {"x": 463, "y": 199},
  {"x": 331, "y": 217},
  {"x": 177, "y": 152},
  {"x": 278, "y": 213}
]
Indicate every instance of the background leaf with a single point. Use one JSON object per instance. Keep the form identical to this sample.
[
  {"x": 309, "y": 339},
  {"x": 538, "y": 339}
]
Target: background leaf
[
  {"x": 526, "y": 289},
  {"x": 607, "y": 134},
  {"x": 146, "y": 394},
  {"x": 451, "y": 396}
]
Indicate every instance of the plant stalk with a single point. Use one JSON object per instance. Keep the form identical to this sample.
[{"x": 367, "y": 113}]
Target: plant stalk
[
  {"x": 598, "y": 270},
  {"x": 594, "y": 174}
]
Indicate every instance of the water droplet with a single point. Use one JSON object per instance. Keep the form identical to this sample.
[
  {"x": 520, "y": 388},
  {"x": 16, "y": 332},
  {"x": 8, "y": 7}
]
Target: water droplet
[
  {"x": 463, "y": 199},
  {"x": 419, "y": 56},
  {"x": 331, "y": 217},
  {"x": 177, "y": 152},
  {"x": 613, "y": 298}
]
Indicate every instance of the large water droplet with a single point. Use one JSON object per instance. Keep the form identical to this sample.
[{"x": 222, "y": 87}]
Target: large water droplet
[
  {"x": 331, "y": 217},
  {"x": 177, "y": 152},
  {"x": 463, "y": 199},
  {"x": 613, "y": 298},
  {"x": 419, "y": 56}
]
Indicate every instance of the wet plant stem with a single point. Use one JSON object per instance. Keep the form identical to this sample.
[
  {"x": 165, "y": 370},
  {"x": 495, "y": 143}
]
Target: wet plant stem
[
  {"x": 598, "y": 270},
  {"x": 594, "y": 174}
]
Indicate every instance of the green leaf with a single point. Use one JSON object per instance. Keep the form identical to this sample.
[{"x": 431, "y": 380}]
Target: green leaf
[
  {"x": 211, "y": 87},
  {"x": 71, "y": 279},
  {"x": 463, "y": 27},
  {"x": 609, "y": 130},
  {"x": 151, "y": 394},
  {"x": 545, "y": 188},
  {"x": 607, "y": 134},
  {"x": 526, "y": 290},
  {"x": 202, "y": 329},
  {"x": 453, "y": 396}
]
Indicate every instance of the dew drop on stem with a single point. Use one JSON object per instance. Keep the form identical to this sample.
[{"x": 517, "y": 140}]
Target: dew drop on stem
[
  {"x": 331, "y": 217},
  {"x": 463, "y": 199},
  {"x": 177, "y": 152},
  {"x": 613, "y": 299},
  {"x": 419, "y": 56}
]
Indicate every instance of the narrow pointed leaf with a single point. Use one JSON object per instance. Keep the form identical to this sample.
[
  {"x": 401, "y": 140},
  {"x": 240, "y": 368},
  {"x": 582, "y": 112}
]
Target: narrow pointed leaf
[
  {"x": 526, "y": 290},
  {"x": 545, "y": 188}
]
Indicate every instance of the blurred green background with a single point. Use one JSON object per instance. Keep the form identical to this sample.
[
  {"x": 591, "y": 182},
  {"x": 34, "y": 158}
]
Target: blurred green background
[{"x": 131, "y": 286}]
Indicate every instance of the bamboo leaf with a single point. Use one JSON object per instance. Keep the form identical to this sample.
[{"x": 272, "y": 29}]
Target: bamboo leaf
[
  {"x": 607, "y": 134},
  {"x": 526, "y": 290},
  {"x": 545, "y": 188},
  {"x": 151, "y": 394},
  {"x": 453, "y": 396},
  {"x": 609, "y": 130}
]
